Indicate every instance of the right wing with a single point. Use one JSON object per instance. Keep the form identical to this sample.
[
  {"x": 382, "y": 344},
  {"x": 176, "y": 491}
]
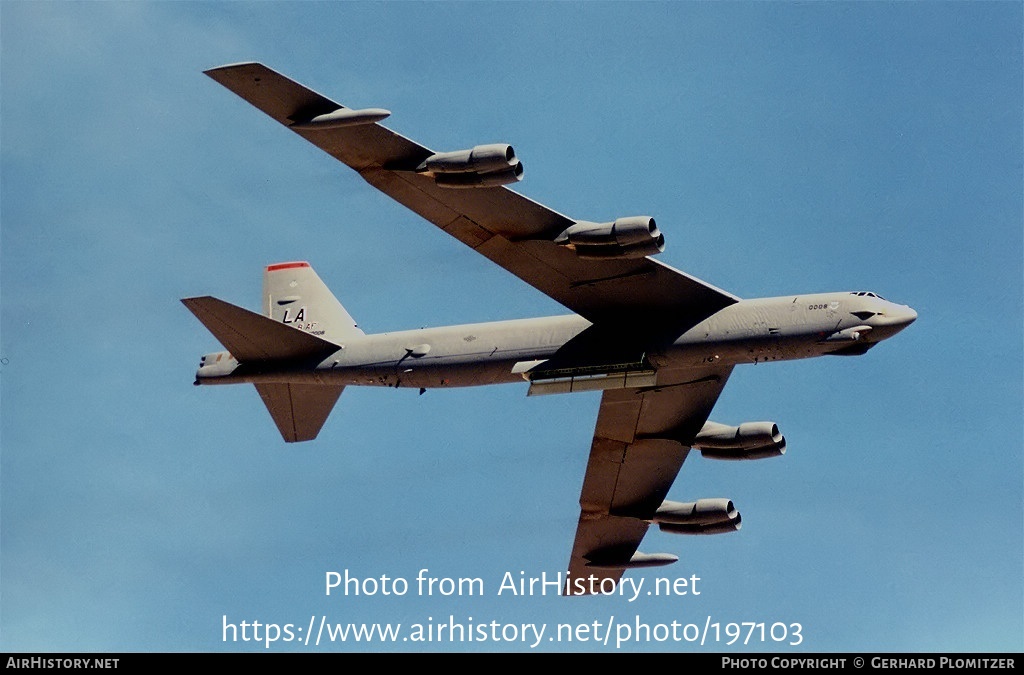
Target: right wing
[
  {"x": 506, "y": 227},
  {"x": 641, "y": 440}
]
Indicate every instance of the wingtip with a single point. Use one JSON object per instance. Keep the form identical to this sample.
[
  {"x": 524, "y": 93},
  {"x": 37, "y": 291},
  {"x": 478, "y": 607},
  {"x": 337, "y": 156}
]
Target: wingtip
[{"x": 232, "y": 66}]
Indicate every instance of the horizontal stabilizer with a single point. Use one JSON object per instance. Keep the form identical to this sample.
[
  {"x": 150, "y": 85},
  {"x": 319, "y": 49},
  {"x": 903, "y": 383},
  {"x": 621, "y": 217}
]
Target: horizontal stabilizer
[
  {"x": 299, "y": 410},
  {"x": 252, "y": 337}
]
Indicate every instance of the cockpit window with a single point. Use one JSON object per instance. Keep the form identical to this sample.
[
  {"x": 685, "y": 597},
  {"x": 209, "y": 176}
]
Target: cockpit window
[{"x": 867, "y": 294}]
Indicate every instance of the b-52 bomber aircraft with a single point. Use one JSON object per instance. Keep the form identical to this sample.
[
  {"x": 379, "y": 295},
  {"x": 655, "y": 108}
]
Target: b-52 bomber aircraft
[{"x": 658, "y": 343}]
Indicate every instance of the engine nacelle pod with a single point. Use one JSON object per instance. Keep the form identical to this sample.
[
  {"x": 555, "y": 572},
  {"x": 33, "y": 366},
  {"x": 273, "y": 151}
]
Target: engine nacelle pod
[
  {"x": 700, "y": 512},
  {"x": 477, "y": 180},
  {"x": 483, "y": 166},
  {"x": 704, "y": 516},
  {"x": 632, "y": 237},
  {"x": 750, "y": 440}
]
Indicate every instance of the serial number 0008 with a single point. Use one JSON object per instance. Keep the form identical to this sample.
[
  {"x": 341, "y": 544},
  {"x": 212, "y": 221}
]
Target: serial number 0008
[{"x": 751, "y": 631}]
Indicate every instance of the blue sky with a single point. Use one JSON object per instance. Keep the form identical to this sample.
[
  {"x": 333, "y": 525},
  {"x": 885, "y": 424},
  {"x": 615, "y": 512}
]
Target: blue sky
[{"x": 783, "y": 148}]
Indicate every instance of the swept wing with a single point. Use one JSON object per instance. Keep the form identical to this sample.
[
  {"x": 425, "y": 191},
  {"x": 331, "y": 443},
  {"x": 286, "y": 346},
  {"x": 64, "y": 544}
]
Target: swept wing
[{"x": 513, "y": 231}]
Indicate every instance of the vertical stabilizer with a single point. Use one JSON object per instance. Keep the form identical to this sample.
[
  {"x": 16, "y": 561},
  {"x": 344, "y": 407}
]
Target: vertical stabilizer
[{"x": 293, "y": 294}]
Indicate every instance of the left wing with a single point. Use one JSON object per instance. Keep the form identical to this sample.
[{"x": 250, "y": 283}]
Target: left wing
[
  {"x": 641, "y": 441},
  {"x": 513, "y": 231}
]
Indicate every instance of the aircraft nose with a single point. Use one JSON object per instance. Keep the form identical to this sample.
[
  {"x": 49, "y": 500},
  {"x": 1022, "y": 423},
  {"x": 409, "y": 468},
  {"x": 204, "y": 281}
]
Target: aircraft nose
[
  {"x": 907, "y": 316},
  {"x": 895, "y": 319}
]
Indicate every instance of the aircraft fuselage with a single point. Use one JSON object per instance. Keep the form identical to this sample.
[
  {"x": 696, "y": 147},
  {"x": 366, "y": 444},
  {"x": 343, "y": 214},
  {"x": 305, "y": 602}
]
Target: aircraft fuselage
[{"x": 749, "y": 331}]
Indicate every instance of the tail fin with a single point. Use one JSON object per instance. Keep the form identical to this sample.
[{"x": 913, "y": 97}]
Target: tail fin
[
  {"x": 293, "y": 294},
  {"x": 314, "y": 325}
]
